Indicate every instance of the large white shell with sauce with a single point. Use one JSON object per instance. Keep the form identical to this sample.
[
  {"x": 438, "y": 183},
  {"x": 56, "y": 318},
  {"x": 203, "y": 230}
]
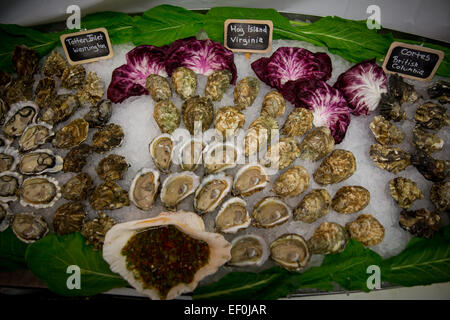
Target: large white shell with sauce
[{"x": 189, "y": 223}]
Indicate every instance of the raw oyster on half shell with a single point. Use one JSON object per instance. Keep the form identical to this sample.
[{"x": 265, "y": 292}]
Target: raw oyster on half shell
[
  {"x": 144, "y": 188},
  {"x": 249, "y": 179},
  {"x": 34, "y": 136},
  {"x": 9, "y": 186},
  {"x": 39, "y": 192},
  {"x": 19, "y": 117},
  {"x": 40, "y": 161},
  {"x": 232, "y": 216},
  {"x": 190, "y": 154},
  {"x": 29, "y": 227},
  {"x": 220, "y": 156},
  {"x": 211, "y": 191},
  {"x": 248, "y": 250},
  {"x": 269, "y": 212},
  {"x": 177, "y": 187},
  {"x": 290, "y": 251},
  {"x": 161, "y": 150},
  {"x": 9, "y": 158}
]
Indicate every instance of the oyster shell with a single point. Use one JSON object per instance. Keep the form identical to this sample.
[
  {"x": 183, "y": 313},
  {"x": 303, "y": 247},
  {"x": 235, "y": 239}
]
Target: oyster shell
[
  {"x": 440, "y": 90},
  {"x": 177, "y": 187},
  {"x": 385, "y": 132},
  {"x": 269, "y": 212},
  {"x": 440, "y": 196},
  {"x": 389, "y": 158},
  {"x": 432, "y": 169},
  {"x": 158, "y": 87},
  {"x": 350, "y": 199},
  {"x": 109, "y": 196},
  {"x": 144, "y": 188},
  {"x": 328, "y": 238},
  {"x": 4, "y": 217},
  {"x": 259, "y": 134},
  {"x": 391, "y": 109},
  {"x": 29, "y": 227},
  {"x": 421, "y": 223},
  {"x": 217, "y": 84},
  {"x": 25, "y": 62},
  {"x": 211, "y": 191},
  {"x": 273, "y": 104},
  {"x": 76, "y": 158},
  {"x": 161, "y": 150},
  {"x": 109, "y": 137},
  {"x": 60, "y": 110},
  {"x": 34, "y": 136},
  {"x": 427, "y": 141},
  {"x": 184, "y": 82},
  {"x": 232, "y": 216},
  {"x": 5, "y": 141},
  {"x": 431, "y": 116},
  {"x": 313, "y": 206},
  {"x": 245, "y": 92},
  {"x": 95, "y": 230},
  {"x": 400, "y": 90},
  {"x": 112, "y": 167},
  {"x": 190, "y": 154},
  {"x": 40, "y": 161},
  {"x": 9, "y": 158},
  {"x": 72, "y": 134},
  {"x": 9, "y": 186},
  {"x": 366, "y": 229},
  {"x": 290, "y": 251},
  {"x": 404, "y": 191},
  {"x": 167, "y": 116},
  {"x": 92, "y": 91},
  {"x": 73, "y": 77},
  {"x": 19, "y": 117},
  {"x": 39, "y": 192},
  {"x": 18, "y": 91},
  {"x": 78, "y": 187},
  {"x": 69, "y": 218},
  {"x": 198, "y": 113},
  {"x": 220, "y": 156},
  {"x": 248, "y": 250},
  {"x": 99, "y": 115},
  {"x": 45, "y": 92},
  {"x": 4, "y": 108},
  {"x": 317, "y": 144},
  {"x": 336, "y": 167},
  {"x": 183, "y": 225},
  {"x": 293, "y": 182},
  {"x": 228, "y": 121},
  {"x": 281, "y": 154},
  {"x": 249, "y": 179},
  {"x": 54, "y": 65}
]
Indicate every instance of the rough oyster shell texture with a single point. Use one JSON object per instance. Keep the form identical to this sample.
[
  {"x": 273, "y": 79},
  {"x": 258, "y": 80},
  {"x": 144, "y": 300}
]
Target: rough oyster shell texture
[
  {"x": 217, "y": 84},
  {"x": 184, "y": 82},
  {"x": 427, "y": 141},
  {"x": 144, "y": 188},
  {"x": 432, "y": 169},
  {"x": 73, "y": 77},
  {"x": 61, "y": 109},
  {"x": 25, "y": 62},
  {"x": 92, "y": 91},
  {"x": 385, "y": 132},
  {"x": 350, "y": 199},
  {"x": 72, "y": 134},
  {"x": 391, "y": 109},
  {"x": 197, "y": 111},
  {"x": 95, "y": 230},
  {"x": 99, "y": 114},
  {"x": 366, "y": 229},
  {"x": 293, "y": 182},
  {"x": 111, "y": 168},
  {"x": 317, "y": 144},
  {"x": 400, "y": 90},
  {"x": 9, "y": 186},
  {"x": 29, "y": 227},
  {"x": 109, "y": 196},
  {"x": 39, "y": 192},
  {"x": 404, "y": 191},
  {"x": 336, "y": 167},
  {"x": 76, "y": 158},
  {"x": 107, "y": 138},
  {"x": 440, "y": 90},
  {"x": 248, "y": 250},
  {"x": 440, "y": 196},
  {"x": 290, "y": 251},
  {"x": 9, "y": 159},
  {"x": 245, "y": 92},
  {"x": 158, "y": 87},
  {"x": 78, "y": 188},
  {"x": 329, "y": 237},
  {"x": 54, "y": 65},
  {"x": 431, "y": 116},
  {"x": 421, "y": 223},
  {"x": 273, "y": 104},
  {"x": 281, "y": 154},
  {"x": 45, "y": 92},
  {"x": 69, "y": 218},
  {"x": 259, "y": 134},
  {"x": 313, "y": 206},
  {"x": 389, "y": 158},
  {"x": 167, "y": 116},
  {"x": 228, "y": 121}
]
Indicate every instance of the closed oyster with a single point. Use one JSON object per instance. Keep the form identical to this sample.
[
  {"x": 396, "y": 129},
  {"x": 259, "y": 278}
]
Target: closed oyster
[
  {"x": 232, "y": 216},
  {"x": 366, "y": 229},
  {"x": 385, "y": 132},
  {"x": 211, "y": 192},
  {"x": 76, "y": 158},
  {"x": 249, "y": 179},
  {"x": 177, "y": 187},
  {"x": 19, "y": 117},
  {"x": 29, "y": 227},
  {"x": 248, "y": 250},
  {"x": 245, "y": 92},
  {"x": 427, "y": 141},
  {"x": 39, "y": 192},
  {"x": 220, "y": 156},
  {"x": 92, "y": 91},
  {"x": 107, "y": 138},
  {"x": 25, "y": 62},
  {"x": 404, "y": 191},
  {"x": 95, "y": 230},
  {"x": 99, "y": 115},
  {"x": 112, "y": 167},
  {"x": 4, "y": 217},
  {"x": 184, "y": 82},
  {"x": 391, "y": 109},
  {"x": 161, "y": 150},
  {"x": 217, "y": 84},
  {"x": 158, "y": 87},
  {"x": 389, "y": 158},
  {"x": 40, "y": 161},
  {"x": 73, "y": 77},
  {"x": 293, "y": 182},
  {"x": 60, "y": 110},
  {"x": 259, "y": 134},
  {"x": 313, "y": 206},
  {"x": 317, "y": 144},
  {"x": 72, "y": 134},
  {"x": 269, "y": 212},
  {"x": 54, "y": 65},
  {"x": 432, "y": 169},
  {"x": 440, "y": 90},
  {"x": 8, "y": 159},
  {"x": 328, "y": 238},
  {"x": 431, "y": 116},
  {"x": 181, "y": 258},
  {"x": 34, "y": 136},
  {"x": 228, "y": 121},
  {"x": 421, "y": 223},
  {"x": 290, "y": 251},
  {"x": 440, "y": 196},
  {"x": 9, "y": 186},
  {"x": 336, "y": 167},
  {"x": 350, "y": 199},
  {"x": 273, "y": 104},
  {"x": 198, "y": 113},
  {"x": 167, "y": 116},
  {"x": 18, "y": 91},
  {"x": 4, "y": 108},
  {"x": 400, "y": 90},
  {"x": 78, "y": 188},
  {"x": 190, "y": 154},
  {"x": 144, "y": 188},
  {"x": 69, "y": 218},
  {"x": 109, "y": 196},
  {"x": 281, "y": 154},
  {"x": 45, "y": 92}
]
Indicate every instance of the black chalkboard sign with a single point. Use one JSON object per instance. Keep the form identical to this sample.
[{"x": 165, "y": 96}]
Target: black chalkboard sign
[
  {"x": 410, "y": 61},
  {"x": 248, "y": 35},
  {"x": 87, "y": 46}
]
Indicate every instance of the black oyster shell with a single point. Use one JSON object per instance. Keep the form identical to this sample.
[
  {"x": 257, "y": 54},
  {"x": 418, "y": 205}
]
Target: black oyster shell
[
  {"x": 422, "y": 223},
  {"x": 432, "y": 169}
]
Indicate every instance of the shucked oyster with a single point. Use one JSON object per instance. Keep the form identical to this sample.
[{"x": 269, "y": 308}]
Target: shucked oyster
[
  {"x": 158, "y": 87},
  {"x": 298, "y": 122},
  {"x": 61, "y": 109},
  {"x": 281, "y": 154},
  {"x": 73, "y": 77},
  {"x": 404, "y": 191},
  {"x": 336, "y": 167},
  {"x": 29, "y": 227},
  {"x": 8, "y": 159},
  {"x": 92, "y": 91},
  {"x": 427, "y": 141},
  {"x": 112, "y": 168},
  {"x": 228, "y": 120},
  {"x": 184, "y": 82},
  {"x": 69, "y": 218},
  {"x": 25, "y": 62},
  {"x": 78, "y": 188},
  {"x": 190, "y": 154},
  {"x": 440, "y": 196},
  {"x": 144, "y": 188},
  {"x": 39, "y": 192},
  {"x": 385, "y": 132},
  {"x": 19, "y": 117},
  {"x": 366, "y": 229},
  {"x": 95, "y": 230},
  {"x": 245, "y": 92},
  {"x": 431, "y": 116},
  {"x": 55, "y": 65},
  {"x": 273, "y": 104},
  {"x": 178, "y": 186},
  {"x": 232, "y": 216},
  {"x": 109, "y": 196},
  {"x": 440, "y": 90},
  {"x": 350, "y": 199},
  {"x": 421, "y": 223},
  {"x": 107, "y": 138},
  {"x": 269, "y": 212},
  {"x": 72, "y": 134},
  {"x": 34, "y": 136},
  {"x": 40, "y": 161},
  {"x": 248, "y": 250},
  {"x": 76, "y": 158},
  {"x": 293, "y": 182},
  {"x": 389, "y": 158},
  {"x": 432, "y": 169},
  {"x": 317, "y": 144},
  {"x": 313, "y": 206},
  {"x": 99, "y": 114},
  {"x": 249, "y": 179},
  {"x": 290, "y": 251},
  {"x": 328, "y": 238},
  {"x": 167, "y": 116},
  {"x": 198, "y": 113},
  {"x": 259, "y": 134},
  {"x": 220, "y": 156},
  {"x": 161, "y": 151},
  {"x": 9, "y": 186},
  {"x": 211, "y": 192},
  {"x": 217, "y": 83}
]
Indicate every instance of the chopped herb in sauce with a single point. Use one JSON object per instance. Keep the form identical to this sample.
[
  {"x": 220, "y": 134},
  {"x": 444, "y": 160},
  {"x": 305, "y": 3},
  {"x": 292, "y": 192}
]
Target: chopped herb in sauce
[{"x": 164, "y": 257}]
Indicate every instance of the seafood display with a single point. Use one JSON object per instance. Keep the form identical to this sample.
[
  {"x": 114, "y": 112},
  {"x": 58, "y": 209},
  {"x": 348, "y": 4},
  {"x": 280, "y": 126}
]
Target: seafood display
[
  {"x": 248, "y": 250},
  {"x": 290, "y": 251},
  {"x": 350, "y": 199}
]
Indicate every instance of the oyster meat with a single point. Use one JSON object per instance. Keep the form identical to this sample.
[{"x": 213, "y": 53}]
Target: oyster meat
[
  {"x": 249, "y": 179},
  {"x": 107, "y": 138},
  {"x": 290, "y": 251},
  {"x": 313, "y": 206},
  {"x": 34, "y": 136},
  {"x": 78, "y": 188},
  {"x": 440, "y": 90},
  {"x": 99, "y": 114},
  {"x": 336, "y": 167},
  {"x": 54, "y": 65},
  {"x": 158, "y": 87},
  {"x": 281, "y": 154},
  {"x": 440, "y": 196},
  {"x": 211, "y": 192},
  {"x": 76, "y": 158},
  {"x": 389, "y": 158},
  {"x": 431, "y": 116},
  {"x": 144, "y": 188},
  {"x": 73, "y": 77},
  {"x": 9, "y": 186},
  {"x": 19, "y": 117},
  {"x": 72, "y": 134},
  {"x": 198, "y": 114},
  {"x": 184, "y": 82},
  {"x": 112, "y": 167},
  {"x": 29, "y": 227},
  {"x": 269, "y": 212},
  {"x": 273, "y": 104},
  {"x": 177, "y": 187},
  {"x": 391, "y": 109},
  {"x": 39, "y": 192},
  {"x": 8, "y": 159},
  {"x": 385, "y": 132},
  {"x": 228, "y": 121},
  {"x": 109, "y": 196},
  {"x": 232, "y": 216},
  {"x": 432, "y": 169},
  {"x": 421, "y": 223},
  {"x": 248, "y": 250},
  {"x": 95, "y": 230},
  {"x": 328, "y": 238},
  {"x": 350, "y": 199},
  {"x": 26, "y": 62},
  {"x": 190, "y": 154},
  {"x": 220, "y": 156},
  {"x": 167, "y": 116},
  {"x": 92, "y": 91},
  {"x": 69, "y": 218},
  {"x": 161, "y": 151},
  {"x": 317, "y": 144},
  {"x": 60, "y": 110},
  {"x": 217, "y": 84},
  {"x": 427, "y": 141},
  {"x": 40, "y": 161},
  {"x": 293, "y": 182},
  {"x": 245, "y": 92},
  {"x": 259, "y": 134},
  {"x": 366, "y": 229},
  {"x": 404, "y": 191}
]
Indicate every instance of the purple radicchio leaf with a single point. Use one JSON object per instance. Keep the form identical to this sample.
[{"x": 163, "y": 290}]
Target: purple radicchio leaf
[
  {"x": 362, "y": 86},
  {"x": 292, "y": 64},
  {"x": 129, "y": 79}
]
